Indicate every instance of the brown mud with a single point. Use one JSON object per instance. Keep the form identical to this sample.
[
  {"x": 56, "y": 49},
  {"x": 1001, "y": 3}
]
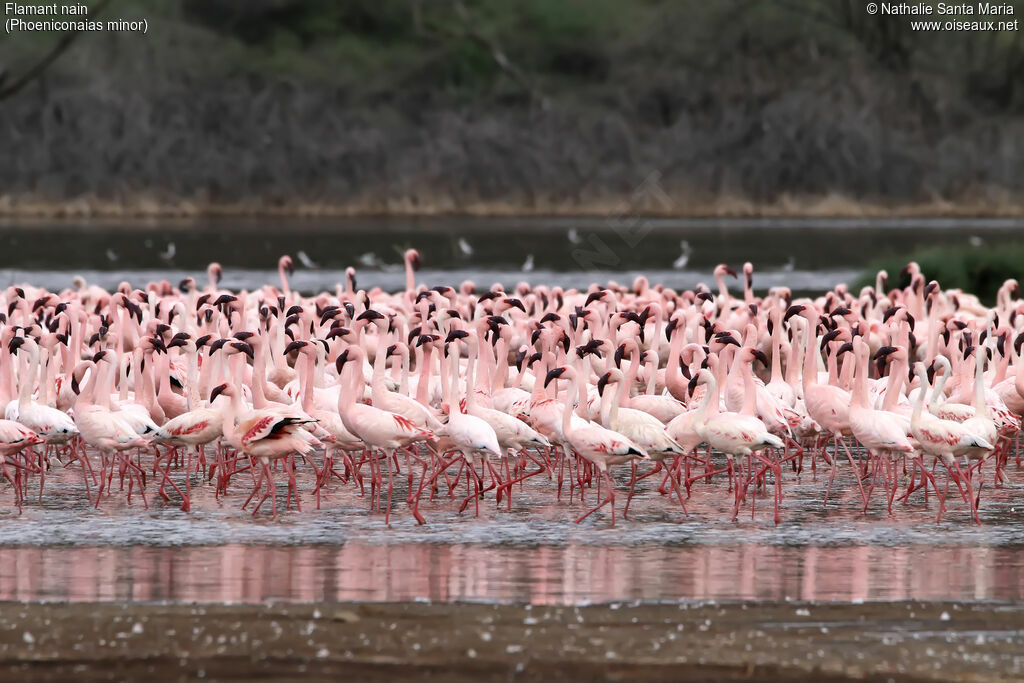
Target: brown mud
[{"x": 466, "y": 641}]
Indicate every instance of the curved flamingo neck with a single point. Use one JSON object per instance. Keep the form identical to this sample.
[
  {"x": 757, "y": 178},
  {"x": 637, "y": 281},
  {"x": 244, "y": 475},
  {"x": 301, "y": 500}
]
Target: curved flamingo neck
[{"x": 708, "y": 406}]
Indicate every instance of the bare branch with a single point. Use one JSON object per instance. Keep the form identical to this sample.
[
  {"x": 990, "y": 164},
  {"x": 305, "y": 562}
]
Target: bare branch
[{"x": 42, "y": 65}]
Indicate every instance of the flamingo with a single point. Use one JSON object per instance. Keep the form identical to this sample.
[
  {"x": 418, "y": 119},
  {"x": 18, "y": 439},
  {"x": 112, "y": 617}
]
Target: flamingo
[
  {"x": 266, "y": 436},
  {"x": 378, "y": 429},
  {"x": 52, "y": 425},
  {"x": 600, "y": 446},
  {"x": 943, "y": 438}
]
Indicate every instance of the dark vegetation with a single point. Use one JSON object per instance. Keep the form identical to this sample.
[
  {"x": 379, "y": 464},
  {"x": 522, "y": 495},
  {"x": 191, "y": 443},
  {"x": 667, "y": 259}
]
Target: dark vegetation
[
  {"x": 979, "y": 270},
  {"x": 739, "y": 106}
]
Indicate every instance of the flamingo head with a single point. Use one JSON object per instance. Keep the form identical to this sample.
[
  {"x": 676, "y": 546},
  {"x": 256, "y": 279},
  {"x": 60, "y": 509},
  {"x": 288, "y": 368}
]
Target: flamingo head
[
  {"x": 412, "y": 257},
  {"x": 795, "y": 309},
  {"x": 553, "y": 375},
  {"x": 15, "y": 344},
  {"x": 217, "y": 344},
  {"x": 596, "y": 296},
  {"x": 215, "y": 272},
  {"x": 723, "y": 339},
  {"x": 512, "y": 302},
  {"x": 180, "y": 339},
  {"x": 341, "y": 360},
  {"x": 298, "y": 345},
  {"x": 285, "y": 263},
  {"x": 243, "y": 347},
  {"x": 337, "y": 331},
  {"x": 225, "y": 389},
  {"x": 759, "y": 355},
  {"x": 592, "y": 347},
  {"x": 722, "y": 269}
]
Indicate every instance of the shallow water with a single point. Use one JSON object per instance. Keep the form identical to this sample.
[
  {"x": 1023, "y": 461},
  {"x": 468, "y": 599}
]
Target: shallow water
[
  {"x": 805, "y": 254},
  {"x": 63, "y": 549}
]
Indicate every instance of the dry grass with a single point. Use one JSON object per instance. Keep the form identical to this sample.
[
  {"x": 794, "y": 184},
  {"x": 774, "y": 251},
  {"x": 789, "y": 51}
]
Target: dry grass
[{"x": 828, "y": 206}]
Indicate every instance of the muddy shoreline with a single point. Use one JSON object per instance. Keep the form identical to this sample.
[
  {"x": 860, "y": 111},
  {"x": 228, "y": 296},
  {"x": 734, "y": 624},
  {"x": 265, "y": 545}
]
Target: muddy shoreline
[{"x": 465, "y": 641}]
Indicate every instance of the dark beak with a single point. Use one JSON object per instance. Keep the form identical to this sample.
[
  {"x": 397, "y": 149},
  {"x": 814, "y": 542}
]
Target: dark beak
[
  {"x": 341, "y": 360},
  {"x": 370, "y": 314},
  {"x": 884, "y": 352},
  {"x": 244, "y": 348},
  {"x": 294, "y": 346},
  {"x": 454, "y": 335},
  {"x": 217, "y": 391},
  {"x": 553, "y": 374}
]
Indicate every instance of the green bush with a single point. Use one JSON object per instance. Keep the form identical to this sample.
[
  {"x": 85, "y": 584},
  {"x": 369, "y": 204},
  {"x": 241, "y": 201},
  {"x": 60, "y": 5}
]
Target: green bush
[{"x": 977, "y": 270}]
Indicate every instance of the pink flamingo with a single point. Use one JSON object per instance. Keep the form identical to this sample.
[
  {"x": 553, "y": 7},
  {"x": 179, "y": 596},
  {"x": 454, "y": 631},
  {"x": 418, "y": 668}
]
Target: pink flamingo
[{"x": 265, "y": 436}]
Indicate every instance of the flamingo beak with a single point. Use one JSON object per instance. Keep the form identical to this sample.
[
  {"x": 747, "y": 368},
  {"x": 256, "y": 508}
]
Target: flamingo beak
[
  {"x": 294, "y": 346},
  {"x": 339, "y": 363},
  {"x": 553, "y": 374},
  {"x": 217, "y": 391}
]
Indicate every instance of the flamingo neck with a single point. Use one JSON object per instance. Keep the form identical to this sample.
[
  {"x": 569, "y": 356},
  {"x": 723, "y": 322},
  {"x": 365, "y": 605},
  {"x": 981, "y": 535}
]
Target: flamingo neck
[
  {"x": 915, "y": 416},
  {"x": 567, "y": 409},
  {"x": 860, "y": 378},
  {"x": 749, "y": 390},
  {"x": 979, "y": 383},
  {"x": 810, "y": 365},
  {"x": 897, "y": 371},
  {"x": 708, "y": 406},
  {"x": 471, "y": 369},
  {"x": 940, "y": 386},
  {"x": 777, "y": 349},
  {"x": 28, "y": 377},
  {"x": 259, "y": 374},
  {"x": 192, "y": 395},
  {"x": 631, "y": 372},
  {"x": 424, "y": 370}
]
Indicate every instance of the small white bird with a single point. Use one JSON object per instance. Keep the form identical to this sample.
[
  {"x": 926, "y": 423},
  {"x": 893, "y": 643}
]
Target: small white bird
[
  {"x": 574, "y": 236},
  {"x": 465, "y": 247},
  {"x": 111, "y": 255},
  {"x": 684, "y": 256},
  {"x": 168, "y": 255},
  {"x": 306, "y": 261},
  {"x": 370, "y": 260},
  {"x": 528, "y": 264}
]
